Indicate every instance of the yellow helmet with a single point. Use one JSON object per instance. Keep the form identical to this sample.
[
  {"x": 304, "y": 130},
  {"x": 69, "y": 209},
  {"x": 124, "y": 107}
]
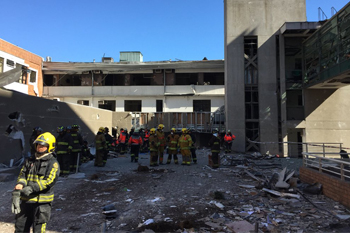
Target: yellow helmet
[
  {"x": 173, "y": 129},
  {"x": 101, "y": 129},
  {"x": 160, "y": 126},
  {"x": 184, "y": 130},
  {"x": 152, "y": 131},
  {"x": 46, "y": 139}
]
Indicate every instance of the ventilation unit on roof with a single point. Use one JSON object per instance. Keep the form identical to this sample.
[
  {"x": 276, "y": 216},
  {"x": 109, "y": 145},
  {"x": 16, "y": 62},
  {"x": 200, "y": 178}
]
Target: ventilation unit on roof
[
  {"x": 107, "y": 59},
  {"x": 157, "y": 71}
]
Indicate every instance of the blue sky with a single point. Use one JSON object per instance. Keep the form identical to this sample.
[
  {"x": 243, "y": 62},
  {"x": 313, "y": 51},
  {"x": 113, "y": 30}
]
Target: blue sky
[{"x": 81, "y": 31}]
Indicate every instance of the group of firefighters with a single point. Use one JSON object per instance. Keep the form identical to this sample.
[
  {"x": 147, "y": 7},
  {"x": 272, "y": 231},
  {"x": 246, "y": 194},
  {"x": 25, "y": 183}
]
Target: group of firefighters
[
  {"x": 53, "y": 156},
  {"x": 155, "y": 142}
]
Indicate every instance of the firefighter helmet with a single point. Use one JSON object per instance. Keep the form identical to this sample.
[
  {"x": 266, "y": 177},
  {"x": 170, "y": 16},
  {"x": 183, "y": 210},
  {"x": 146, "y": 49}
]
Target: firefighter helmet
[
  {"x": 38, "y": 129},
  {"x": 75, "y": 126},
  {"x": 160, "y": 126},
  {"x": 46, "y": 139},
  {"x": 215, "y": 130},
  {"x": 101, "y": 129},
  {"x": 184, "y": 130},
  {"x": 173, "y": 130},
  {"x": 106, "y": 130},
  {"x": 229, "y": 131},
  {"x": 152, "y": 131},
  {"x": 60, "y": 129},
  {"x": 69, "y": 127}
]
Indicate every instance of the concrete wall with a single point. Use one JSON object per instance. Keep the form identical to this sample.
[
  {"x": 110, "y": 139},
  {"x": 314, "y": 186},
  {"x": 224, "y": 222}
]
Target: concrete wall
[
  {"x": 327, "y": 115},
  {"x": 48, "y": 114},
  {"x": 261, "y": 18}
]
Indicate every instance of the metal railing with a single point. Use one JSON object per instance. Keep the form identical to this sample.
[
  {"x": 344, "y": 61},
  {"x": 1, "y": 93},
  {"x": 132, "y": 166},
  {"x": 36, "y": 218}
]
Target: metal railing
[{"x": 324, "y": 164}]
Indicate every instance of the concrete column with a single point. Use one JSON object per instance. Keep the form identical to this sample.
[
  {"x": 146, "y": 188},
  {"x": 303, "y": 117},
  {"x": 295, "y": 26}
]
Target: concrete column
[{"x": 283, "y": 94}]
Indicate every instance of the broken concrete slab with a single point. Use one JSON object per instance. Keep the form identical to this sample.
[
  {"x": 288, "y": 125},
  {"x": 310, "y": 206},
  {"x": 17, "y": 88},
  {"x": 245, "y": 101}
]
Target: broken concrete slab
[{"x": 240, "y": 226}]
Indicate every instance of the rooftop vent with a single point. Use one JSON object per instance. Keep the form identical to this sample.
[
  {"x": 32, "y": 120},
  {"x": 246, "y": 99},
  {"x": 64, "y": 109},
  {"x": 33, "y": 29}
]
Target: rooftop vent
[{"x": 107, "y": 59}]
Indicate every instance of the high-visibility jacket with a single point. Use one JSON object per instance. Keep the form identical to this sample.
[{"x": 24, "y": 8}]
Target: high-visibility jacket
[
  {"x": 122, "y": 137},
  {"x": 147, "y": 135},
  {"x": 135, "y": 140},
  {"x": 172, "y": 140},
  {"x": 77, "y": 141},
  {"x": 40, "y": 174},
  {"x": 64, "y": 143},
  {"x": 229, "y": 137},
  {"x": 185, "y": 142},
  {"x": 100, "y": 141},
  {"x": 161, "y": 138}
]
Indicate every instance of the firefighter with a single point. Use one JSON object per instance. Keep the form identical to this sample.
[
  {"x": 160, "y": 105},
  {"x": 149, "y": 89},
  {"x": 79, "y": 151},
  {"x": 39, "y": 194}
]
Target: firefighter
[
  {"x": 64, "y": 146},
  {"x": 85, "y": 153},
  {"x": 185, "y": 143},
  {"x": 109, "y": 141},
  {"x": 100, "y": 143},
  {"x": 145, "y": 140},
  {"x": 193, "y": 147},
  {"x": 161, "y": 143},
  {"x": 228, "y": 138},
  {"x": 153, "y": 148},
  {"x": 36, "y": 132},
  {"x": 35, "y": 187},
  {"x": 172, "y": 141},
  {"x": 135, "y": 142},
  {"x": 122, "y": 140},
  {"x": 214, "y": 144},
  {"x": 77, "y": 144}
]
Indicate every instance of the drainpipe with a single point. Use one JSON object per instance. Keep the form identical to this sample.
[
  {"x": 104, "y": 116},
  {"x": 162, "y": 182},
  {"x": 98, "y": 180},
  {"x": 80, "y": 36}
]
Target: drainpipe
[
  {"x": 164, "y": 89},
  {"x": 92, "y": 88}
]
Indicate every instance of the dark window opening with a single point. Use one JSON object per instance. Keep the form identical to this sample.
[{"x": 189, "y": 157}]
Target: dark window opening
[
  {"x": 115, "y": 80},
  {"x": 251, "y": 60},
  {"x": 186, "y": 78},
  {"x": 48, "y": 80},
  {"x": 159, "y": 107},
  {"x": 201, "y": 105},
  {"x": 252, "y": 133},
  {"x": 140, "y": 79},
  {"x": 214, "y": 78},
  {"x": 10, "y": 63},
  {"x": 70, "y": 80},
  {"x": 107, "y": 104},
  {"x": 83, "y": 102},
  {"x": 132, "y": 105}
]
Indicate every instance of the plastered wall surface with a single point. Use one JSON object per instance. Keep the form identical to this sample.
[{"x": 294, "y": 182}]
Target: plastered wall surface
[{"x": 48, "y": 114}]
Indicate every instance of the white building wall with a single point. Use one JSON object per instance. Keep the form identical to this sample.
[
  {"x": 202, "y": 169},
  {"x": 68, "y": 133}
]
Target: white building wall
[{"x": 170, "y": 103}]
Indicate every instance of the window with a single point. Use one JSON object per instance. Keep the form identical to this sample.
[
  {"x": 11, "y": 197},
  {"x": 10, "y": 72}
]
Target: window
[
  {"x": 159, "y": 106},
  {"x": 132, "y": 105},
  {"x": 10, "y": 63},
  {"x": 83, "y": 102},
  {"x": 32, "y": 78},
  {"x": 201, "y": 105},
  {"x": 107, "y": 104},
  {"x": 186, "y": 78},
  {"x": 251, "y": 60}
]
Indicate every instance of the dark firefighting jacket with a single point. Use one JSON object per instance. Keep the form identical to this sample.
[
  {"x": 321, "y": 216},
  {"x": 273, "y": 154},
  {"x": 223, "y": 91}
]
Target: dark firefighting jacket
[{"x": 40, "y": 174}]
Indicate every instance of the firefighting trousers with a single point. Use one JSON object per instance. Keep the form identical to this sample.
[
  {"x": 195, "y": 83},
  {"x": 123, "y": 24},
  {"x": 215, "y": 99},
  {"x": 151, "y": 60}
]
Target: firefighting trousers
[
  {"x": 73, "y": 163},
  {"x": 64, "y": 161},
  {"x": 153, "y": 158},
  {"x": 215, "y": 159},
  {"x": 134, "y": 152},
  {"x": 193, "y": 154},
  {"x": 186, "y": 156},
  {"x": 171, "y": 154},
  {"x": 228, "y": 146},
  {"x": 33, "y": 214},
  {"x": 99, "y": 158},
  {"x": 161, "y": 153}
]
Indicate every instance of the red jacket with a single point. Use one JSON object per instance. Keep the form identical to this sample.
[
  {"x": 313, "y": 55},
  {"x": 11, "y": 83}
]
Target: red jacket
[
  {"x": 135, "y": 140},
  {"x": 147, "y": 134},
  {"x": 229, "y": 137},
  {"x": 122, "y": 137}
]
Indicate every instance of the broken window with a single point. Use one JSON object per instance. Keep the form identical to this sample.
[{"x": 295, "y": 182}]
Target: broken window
[
  {"x": 141, "y": 79},
  {"x": 201, "y": 105},
  {"x": 214, "y": 78},
  {"x": 83, "y": 102},
  {"x": 10, "y": 63},
  {"x": 48, "y": 80},
  {"x": 186, "y": 78},
  {"x": 107, "y": 104},
  {"x": 132, "y": 105},
  {"x": 115, "y": 80}
]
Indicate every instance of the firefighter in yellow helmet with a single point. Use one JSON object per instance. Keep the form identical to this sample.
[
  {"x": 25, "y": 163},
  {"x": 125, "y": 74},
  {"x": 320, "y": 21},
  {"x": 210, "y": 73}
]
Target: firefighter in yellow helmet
[
  {"x": 172, "y": 140},
  {"x": 35, "y": 186},
  {"x": 161, "y": 142},
  {"x": 100, "y": 144},
  {"x": 185, "y": 143},
  {"x": 153, "y": 147}
]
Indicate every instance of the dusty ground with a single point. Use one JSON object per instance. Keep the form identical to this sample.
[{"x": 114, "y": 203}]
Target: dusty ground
[{"x": 176, "y": 198}]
